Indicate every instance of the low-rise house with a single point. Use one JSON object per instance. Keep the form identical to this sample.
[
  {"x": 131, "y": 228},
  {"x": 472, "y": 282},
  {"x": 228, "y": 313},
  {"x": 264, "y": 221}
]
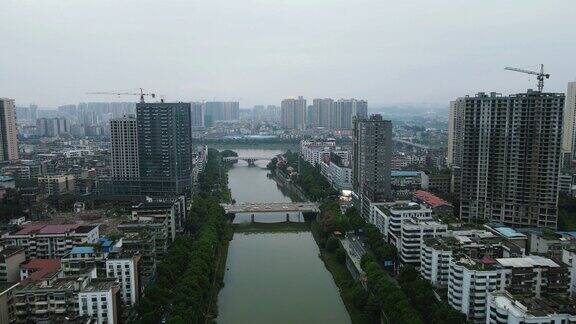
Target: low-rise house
[
  {"x": 51, "y": 241},
  {"x": 10, "y": 259}
]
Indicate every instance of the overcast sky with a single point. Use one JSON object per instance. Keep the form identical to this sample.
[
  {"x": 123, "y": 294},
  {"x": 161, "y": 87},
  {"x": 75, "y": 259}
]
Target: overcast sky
[{"x": 260, "y": 51}]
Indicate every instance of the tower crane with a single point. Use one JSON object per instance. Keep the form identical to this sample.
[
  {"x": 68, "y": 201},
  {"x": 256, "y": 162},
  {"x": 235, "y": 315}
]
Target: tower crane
[
  {"x": 141, "y": 94},
  {"x": 540, "y": 76}
]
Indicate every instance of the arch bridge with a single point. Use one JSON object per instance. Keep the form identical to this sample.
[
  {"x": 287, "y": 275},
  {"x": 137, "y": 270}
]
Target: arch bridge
[{"x": 250, "y": 159}]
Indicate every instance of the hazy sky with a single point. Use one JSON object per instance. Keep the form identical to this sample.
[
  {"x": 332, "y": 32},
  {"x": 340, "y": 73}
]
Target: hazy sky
[{"x": 259, "y": 51}]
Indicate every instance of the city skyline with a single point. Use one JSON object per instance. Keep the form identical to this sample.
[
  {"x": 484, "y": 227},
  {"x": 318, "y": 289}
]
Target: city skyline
[{"x": 364, "y": 56}]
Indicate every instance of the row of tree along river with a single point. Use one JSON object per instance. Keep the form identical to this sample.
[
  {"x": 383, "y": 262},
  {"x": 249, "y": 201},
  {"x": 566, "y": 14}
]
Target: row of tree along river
[{"x": 273, "y": 273}]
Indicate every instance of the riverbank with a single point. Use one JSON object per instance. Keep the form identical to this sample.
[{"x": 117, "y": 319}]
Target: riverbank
[
  {"x": 189, "y": 276},
  {"x": 353, "y": 295},
  {"x": 346, "y": 284}
]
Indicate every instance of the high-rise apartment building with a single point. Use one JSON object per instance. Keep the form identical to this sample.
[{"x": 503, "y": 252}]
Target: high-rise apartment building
[
  {"x": 8, "y": 131},
  {"x": 511, "y": 158},
  {"x": 124, "y": 145},
  {"x": 293, "y": 114},
  {"x": 52, "y": 127},
  {"x": 164, "y": 148},
  {"x": 372, "y": 158},
  {"x": 345, "y": 110},
  {"x": 197, "y": 112},
  {"x": 569, "y": 127},
  {"x": 222, "y": 110},
  {"x": 454, "y": 156},
  {"x": 323, "y": 111}
]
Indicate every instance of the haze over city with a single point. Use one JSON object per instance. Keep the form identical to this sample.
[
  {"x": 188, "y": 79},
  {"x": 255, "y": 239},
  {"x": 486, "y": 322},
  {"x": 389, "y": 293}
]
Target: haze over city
[
  {"x": 258, "y": 52},
  {"x": 276, "y": 161}
]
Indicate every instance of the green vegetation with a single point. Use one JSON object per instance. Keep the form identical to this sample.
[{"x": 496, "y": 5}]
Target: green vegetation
[
  {"x": 191, "y": 273},
  {"x": 214, "y": 180},
  {"x": 315, "y": 186},
  {"x": 363, "y": 308},
  {"x": 11, "y": 205},
  {"x": 566, "y": 213},
  {"x": 411, "y": 300},
  {"x": 421, "y": 296},
  {"x": 393, "y": 301}
]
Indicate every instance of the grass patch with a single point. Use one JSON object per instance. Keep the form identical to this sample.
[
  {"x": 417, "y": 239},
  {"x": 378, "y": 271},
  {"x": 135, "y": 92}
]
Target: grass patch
[{"x": 271, "y": 227}]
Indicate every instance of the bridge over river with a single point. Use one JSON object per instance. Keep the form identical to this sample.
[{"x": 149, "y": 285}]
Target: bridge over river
[
  {"x": 303, "y": 207},
  {"x": 250, "y": 159}
]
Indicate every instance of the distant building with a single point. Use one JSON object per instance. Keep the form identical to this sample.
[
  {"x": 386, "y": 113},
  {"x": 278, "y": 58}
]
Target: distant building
[
  {"x": 8, "y": 131},
  {"x": 404, "y": 183},
  {"x": 54, "y": 185},
  {"x": 197, "y": 114},
  {"x": 372, "y": 154},
  {"x": 52, "y": 127},
  {"x": 511, "y": 158},
  {"x": 164, "y": 148},
  {"x": 323, "y": 112},
  {"x": 344, "y": 111},
  {"x": 569, "y": 124},
  {"x": 222, "y": 110},
  {"x": 294, "y": 113},
  {"x": 455, "y": 133}
]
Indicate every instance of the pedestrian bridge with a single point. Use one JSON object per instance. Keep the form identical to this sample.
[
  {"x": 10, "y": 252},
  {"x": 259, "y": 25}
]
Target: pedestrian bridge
[
  {"x": 303, "y": 207},
  {"x": 250, "y": 159}
]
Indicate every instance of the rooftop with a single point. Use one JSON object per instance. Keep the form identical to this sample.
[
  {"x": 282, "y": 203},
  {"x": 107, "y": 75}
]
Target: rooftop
[
  {"x": 42, "y": 267},
  {"x": 101, "y": 285},
  {"x": 430, "y": 199},
  {"x": 42, "y": 228},
  {"x": 527, "y": 262},
  {"x": 522, "y": 306},
  {"x": 67, "y": 283},
  {"x": 82, "y": 250},
  {"x": 509, "y": 232},
  {"x": 405, "y": 173},
  {"x": 400, "y": 205}
]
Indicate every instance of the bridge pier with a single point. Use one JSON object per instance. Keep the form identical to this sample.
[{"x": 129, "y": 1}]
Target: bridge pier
[
  {"x": 251, "y": 162},
  {"x": 287, "y": 217},
  {"x": 252, "y": 218}
]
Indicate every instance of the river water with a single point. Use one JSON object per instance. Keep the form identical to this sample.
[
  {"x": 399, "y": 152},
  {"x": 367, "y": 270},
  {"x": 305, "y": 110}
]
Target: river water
[{"x": 274, "y": 277}]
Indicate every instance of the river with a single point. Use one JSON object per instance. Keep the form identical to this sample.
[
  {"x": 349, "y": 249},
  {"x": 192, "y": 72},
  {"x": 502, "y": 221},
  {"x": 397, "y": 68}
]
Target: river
[{"x": 274, "y": 277}]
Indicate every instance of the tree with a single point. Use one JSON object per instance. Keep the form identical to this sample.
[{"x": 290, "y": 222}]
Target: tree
[{"x": 332, "y": 244}]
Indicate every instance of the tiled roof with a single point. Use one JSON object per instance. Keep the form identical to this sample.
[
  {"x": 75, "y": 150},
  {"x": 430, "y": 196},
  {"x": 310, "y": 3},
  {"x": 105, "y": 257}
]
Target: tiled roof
[
  {"x": 46, "y": 229},
  {"x": 430, "y": 199},
  {"x": 43, "y": 267}
]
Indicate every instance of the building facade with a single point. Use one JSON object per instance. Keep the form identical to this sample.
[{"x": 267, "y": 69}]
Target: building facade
[
  {"x": 568, "y": 128},
  {"x": 8, "y": 131},
  {"x": 51, "y": 241},
  {"x": 293, "y": 113},
  {"x": 164, "y": 148},
  {"x": 372, "y": 157},
  {"x": 511, "y": 158}
]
